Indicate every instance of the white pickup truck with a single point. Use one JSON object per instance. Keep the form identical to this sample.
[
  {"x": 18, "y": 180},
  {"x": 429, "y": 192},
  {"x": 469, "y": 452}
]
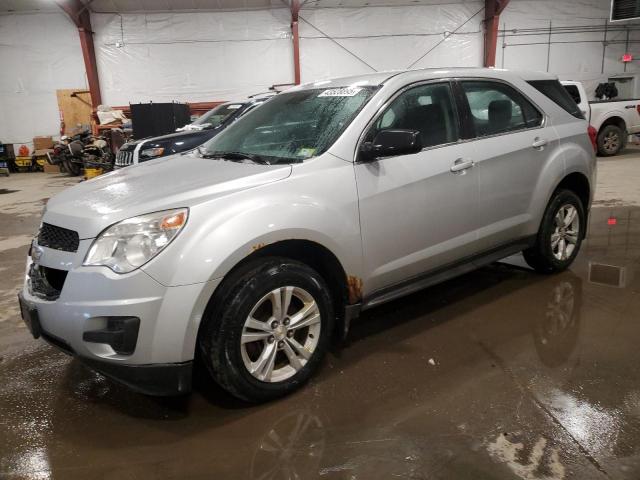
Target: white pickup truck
[{"x": 614, "y": 120}]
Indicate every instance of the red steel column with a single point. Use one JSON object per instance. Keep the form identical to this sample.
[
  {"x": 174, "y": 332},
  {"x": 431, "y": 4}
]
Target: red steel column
[
  {"x": 79, "y": 15},
  {"x": 295, "y": 8},
  {"x": 492, "y": 11}
]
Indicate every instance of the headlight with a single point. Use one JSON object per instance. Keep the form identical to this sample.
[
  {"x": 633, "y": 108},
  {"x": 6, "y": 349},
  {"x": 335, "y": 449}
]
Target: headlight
[
  {"x": 129, "y": 244},
  {"x": 151, "y": 152}
]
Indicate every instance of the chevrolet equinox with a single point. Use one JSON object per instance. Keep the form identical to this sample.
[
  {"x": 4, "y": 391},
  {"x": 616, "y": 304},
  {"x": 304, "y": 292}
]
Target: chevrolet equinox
[{"x": 254, "y": 251}]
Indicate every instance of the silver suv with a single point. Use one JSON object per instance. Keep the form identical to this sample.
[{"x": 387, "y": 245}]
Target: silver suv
[{"x": 258, "y": 249}]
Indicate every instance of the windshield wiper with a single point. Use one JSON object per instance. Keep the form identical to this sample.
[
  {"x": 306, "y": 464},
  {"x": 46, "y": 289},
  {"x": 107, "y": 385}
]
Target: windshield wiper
[
  {"x": 201, "y": 151},
  {"x": 235, "y": 156}
]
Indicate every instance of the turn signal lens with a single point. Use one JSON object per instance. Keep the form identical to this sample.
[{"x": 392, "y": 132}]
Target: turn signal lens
[{"x": 174, "y": 221}]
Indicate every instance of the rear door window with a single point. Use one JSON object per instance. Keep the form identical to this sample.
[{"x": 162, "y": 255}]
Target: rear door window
[
  {"x": 498, "y": 108},
  {"x": 567, "y": 97}
]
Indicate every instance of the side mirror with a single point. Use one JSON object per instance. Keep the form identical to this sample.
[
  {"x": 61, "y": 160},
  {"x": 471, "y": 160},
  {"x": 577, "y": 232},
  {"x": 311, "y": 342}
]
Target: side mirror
[{"x": 391, "y": 142}]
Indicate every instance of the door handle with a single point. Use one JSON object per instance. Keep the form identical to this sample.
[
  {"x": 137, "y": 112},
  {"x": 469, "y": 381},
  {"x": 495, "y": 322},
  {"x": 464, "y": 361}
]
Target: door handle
[
  {"x": 538, "y": 142},
  {"x": 461, "y": 164},
  {"x": 630, "y": 106}
]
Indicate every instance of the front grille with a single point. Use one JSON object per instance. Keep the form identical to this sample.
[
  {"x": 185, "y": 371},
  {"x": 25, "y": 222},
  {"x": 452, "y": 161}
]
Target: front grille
[
  {"x": 124, "y": 159},
  {"x": 58, "y": 238}
]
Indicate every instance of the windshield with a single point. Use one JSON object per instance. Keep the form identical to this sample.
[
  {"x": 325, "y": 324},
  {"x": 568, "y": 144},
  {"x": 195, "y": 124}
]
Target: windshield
[
  {"x": 215, "y": 117},
  {"x": 292, "y": 126}
]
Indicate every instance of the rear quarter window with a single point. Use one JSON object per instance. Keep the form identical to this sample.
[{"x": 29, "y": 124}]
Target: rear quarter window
[
  {"x": 554, "y": 91},
  {"x": 574, "y": 92}
]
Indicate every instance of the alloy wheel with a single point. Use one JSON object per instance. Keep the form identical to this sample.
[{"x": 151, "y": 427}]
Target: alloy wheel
[
  {"x": 566, "y": 231},
  {"x": 280, "y": 334},
  {"x": 611, "y": 142}
]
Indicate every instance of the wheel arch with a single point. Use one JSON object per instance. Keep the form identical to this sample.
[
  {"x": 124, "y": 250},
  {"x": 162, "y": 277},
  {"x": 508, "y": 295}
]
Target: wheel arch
[
  {"x": 616, "y": 120},
  {"x": 578, "y": 183},
  {"x": 316, "y": 256}
]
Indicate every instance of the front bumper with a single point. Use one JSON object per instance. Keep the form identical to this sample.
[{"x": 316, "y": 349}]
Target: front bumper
[
  {"x": 160, "y": 361},
  {"x": 159, "y": 379},
  {"x": 156, "y": 379}
]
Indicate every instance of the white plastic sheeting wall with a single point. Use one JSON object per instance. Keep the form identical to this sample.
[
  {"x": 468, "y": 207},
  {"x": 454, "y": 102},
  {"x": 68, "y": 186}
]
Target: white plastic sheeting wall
[
  {"x": 572, "y": 56},
  {"x": 39, "y": 54},
  {"x": 207, "y": 56},
  {"x": 226, "y": 55},
  {"x": 389, "y": 38},
  {"x": 203, "y": 56}
]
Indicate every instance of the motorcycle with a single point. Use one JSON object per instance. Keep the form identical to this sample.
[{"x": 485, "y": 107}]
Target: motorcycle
[
  {"x": 68, "y": 152},
  {"x": 81, "y": 151},
  {"x": 98, "y": 154}
]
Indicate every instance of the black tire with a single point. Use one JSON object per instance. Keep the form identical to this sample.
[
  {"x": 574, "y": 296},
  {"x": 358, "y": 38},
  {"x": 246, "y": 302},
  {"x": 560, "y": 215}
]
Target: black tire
[
  {"x": 611, "y": 139},
  {"x": 72, "y": 168},
  {"x": 540, "y": 256},
  {"x": 220, "y": 335}
]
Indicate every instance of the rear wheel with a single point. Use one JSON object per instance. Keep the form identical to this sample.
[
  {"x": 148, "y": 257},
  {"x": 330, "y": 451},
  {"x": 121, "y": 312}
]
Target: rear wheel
[
  {"x": 611, "y": 140},
  {"x": 268, "y": 329},
  {"x": 560, "y": 235}
]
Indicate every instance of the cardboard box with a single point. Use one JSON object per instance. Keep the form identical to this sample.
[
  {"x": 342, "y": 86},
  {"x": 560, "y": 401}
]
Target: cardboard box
[
  {"x": 51, "y": 168},
  {"x": 43, "y": 152},
  {"x": 42, "y": 143}
]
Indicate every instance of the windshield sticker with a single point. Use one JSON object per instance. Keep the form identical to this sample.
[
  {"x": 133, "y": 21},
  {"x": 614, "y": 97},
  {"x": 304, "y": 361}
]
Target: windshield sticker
[
  {"x": 341, "y": 92},
  {"x": 306, "y": 152},
  {"x": 233, "y": 107}
]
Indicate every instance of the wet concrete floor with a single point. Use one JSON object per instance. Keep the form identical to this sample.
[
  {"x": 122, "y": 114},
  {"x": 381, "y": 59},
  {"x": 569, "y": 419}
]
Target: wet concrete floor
[{"x": 499, "y": 374}]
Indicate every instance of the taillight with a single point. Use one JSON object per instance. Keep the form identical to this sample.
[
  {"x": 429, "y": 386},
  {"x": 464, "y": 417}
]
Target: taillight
[{"x": 593, "y": 136}]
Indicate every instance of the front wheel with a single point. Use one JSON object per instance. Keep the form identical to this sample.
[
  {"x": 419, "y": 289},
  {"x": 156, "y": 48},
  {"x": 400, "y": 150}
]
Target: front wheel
[
  {"x": 560, "y": 235},
  {"x": 268, "y": 329},
  {"x": 72, "y": 168}
]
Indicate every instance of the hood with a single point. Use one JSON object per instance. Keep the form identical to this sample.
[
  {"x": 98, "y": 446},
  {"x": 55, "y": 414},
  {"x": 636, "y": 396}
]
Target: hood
[
  {"x": 91, "y": 206},
  {"x": 182, "y": 141},
  {"x": 177, "y": 136},
  {"x": 192, "y": 126},
  {"x": 174, "y": 136}
]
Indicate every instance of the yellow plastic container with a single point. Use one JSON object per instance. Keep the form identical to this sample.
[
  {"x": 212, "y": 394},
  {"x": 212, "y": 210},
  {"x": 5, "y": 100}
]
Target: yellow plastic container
[
  {"x": 91, "y": 173},
  {"x": 23, "y": 162},
  {"x": 40, "y": 161}
]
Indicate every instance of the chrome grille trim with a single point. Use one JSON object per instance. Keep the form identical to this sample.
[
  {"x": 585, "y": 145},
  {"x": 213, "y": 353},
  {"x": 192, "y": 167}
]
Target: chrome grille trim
[{"x": 124, "y": 159}]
